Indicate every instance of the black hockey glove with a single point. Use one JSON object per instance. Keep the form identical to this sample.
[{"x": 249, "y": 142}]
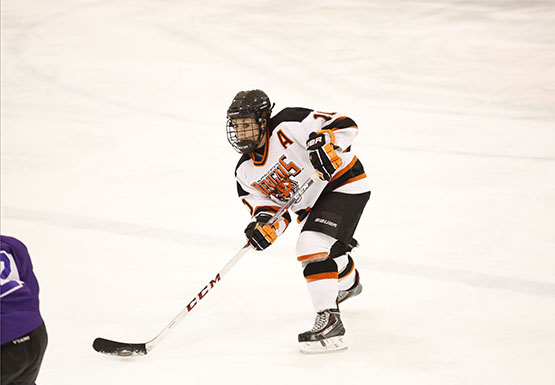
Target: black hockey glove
[
  {"x": 322, "y": 153},
  {"x": 259, "y": 234}
]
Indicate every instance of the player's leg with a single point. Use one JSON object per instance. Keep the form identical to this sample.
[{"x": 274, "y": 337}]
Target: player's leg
[
  {"x": 321, "y": 274},
  {"x": 319, "y": 270},
  {"x": 337, "y": 215},
  {"x": 348, "y": 275},
  {"x": 324, "y": 249},
  {"x": 22, "y": 358}
]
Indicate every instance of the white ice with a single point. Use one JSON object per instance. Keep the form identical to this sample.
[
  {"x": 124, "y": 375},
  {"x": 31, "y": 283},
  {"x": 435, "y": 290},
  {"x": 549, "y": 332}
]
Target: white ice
[{"x": 117, "y": 174}]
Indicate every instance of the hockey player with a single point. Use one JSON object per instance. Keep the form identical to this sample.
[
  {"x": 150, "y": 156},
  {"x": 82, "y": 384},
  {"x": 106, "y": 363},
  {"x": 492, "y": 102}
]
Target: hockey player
[
  {"x": 24, "y": 336},
  {"x": 279, "y": 153}
]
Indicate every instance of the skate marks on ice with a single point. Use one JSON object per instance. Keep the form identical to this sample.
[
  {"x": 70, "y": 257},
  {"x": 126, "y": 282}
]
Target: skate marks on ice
[
  {"x": 466, "y": 277},
  {"x": 108, "y": 226}
]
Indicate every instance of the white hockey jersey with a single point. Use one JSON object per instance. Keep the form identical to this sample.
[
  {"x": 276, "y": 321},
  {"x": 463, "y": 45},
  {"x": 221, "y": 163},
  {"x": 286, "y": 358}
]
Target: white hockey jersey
[{"x": 266, "y": 180}]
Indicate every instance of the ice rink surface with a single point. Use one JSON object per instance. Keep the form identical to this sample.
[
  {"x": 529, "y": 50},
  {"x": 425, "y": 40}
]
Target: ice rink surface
[{"x": 117, "y": 174}]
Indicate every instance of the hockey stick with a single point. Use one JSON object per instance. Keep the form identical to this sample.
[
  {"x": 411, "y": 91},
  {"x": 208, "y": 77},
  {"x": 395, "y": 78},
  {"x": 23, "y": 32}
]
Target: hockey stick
[{"x": 124, "y": 349}]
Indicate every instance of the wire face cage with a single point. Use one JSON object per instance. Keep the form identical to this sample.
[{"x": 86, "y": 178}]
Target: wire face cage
[{"x": 245, "y": 133}]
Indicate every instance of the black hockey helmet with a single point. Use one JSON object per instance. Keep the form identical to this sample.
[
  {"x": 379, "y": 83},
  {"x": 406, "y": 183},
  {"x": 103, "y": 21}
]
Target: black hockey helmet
[{"x": 248, "y": 104}]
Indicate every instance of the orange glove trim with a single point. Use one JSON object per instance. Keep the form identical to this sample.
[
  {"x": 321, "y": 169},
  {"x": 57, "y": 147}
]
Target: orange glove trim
[
  {"x": 334, "y": 158},
  {"x": 268, "y": 231}
]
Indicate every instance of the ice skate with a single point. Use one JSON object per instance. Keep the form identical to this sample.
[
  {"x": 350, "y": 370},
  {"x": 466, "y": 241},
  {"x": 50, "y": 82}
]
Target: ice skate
[
  {"x": 326, "y": 335},
  {"x": 353, "y": 291}
]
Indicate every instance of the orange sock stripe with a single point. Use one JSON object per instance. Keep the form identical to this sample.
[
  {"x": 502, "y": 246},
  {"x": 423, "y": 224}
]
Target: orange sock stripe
[
  {"x": 348, "y": 273},
  {"x": 318, "y": 277},
  {"x": 312, "y": 257}
]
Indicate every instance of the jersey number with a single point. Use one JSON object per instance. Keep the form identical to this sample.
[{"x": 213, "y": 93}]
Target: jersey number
[
  {"x": 9, "y": 277},
  {"x": 324, "y": 115}
]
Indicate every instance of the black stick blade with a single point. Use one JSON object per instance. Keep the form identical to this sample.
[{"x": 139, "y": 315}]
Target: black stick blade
[{"x": 120, "y": 349}]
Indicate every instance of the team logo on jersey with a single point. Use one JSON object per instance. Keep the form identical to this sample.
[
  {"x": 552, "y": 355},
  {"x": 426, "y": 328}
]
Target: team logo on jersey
[{"x": 277, "y": 182}]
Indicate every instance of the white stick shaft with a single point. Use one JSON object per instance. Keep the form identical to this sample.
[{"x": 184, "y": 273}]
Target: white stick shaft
[{"x": 152, "y": 343}]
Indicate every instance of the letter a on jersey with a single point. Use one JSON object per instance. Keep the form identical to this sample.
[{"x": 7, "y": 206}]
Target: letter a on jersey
[{"x": 283, "y": 139}]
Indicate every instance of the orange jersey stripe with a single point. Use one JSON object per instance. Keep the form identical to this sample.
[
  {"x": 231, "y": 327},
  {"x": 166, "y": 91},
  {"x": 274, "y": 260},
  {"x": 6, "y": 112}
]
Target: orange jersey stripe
[
  {"x": 317, "y": 277},
  {"x": 354, "y": 179},
  {"x": 251, "y": 210},
  {"x": 349, "y": 166},
  {"x": 262, "y": 162}
]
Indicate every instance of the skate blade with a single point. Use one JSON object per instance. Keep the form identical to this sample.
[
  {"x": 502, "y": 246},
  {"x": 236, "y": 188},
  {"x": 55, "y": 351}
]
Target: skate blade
[{"x": 328, "y": 345}]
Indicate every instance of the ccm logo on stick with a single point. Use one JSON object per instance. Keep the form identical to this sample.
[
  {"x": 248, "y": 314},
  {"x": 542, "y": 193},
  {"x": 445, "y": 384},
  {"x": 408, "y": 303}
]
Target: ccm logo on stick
[{"x": 203, "y": 292}]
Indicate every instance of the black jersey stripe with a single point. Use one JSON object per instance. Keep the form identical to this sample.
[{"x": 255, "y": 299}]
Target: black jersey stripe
[
  {"x": 343, "y": 122},
  {"x": 266, "y": 209},
  {"x": 240, "y": 191},
  {"x": 289, "y": 114},
  {"x": 251, "y": 210},
  {"x": 356, "y": 170}
]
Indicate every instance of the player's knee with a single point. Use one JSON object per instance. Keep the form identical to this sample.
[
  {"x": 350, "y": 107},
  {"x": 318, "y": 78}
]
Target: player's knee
[
  {"x": 313, "y": 246},
  {"x": 326, "y": 268}
]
